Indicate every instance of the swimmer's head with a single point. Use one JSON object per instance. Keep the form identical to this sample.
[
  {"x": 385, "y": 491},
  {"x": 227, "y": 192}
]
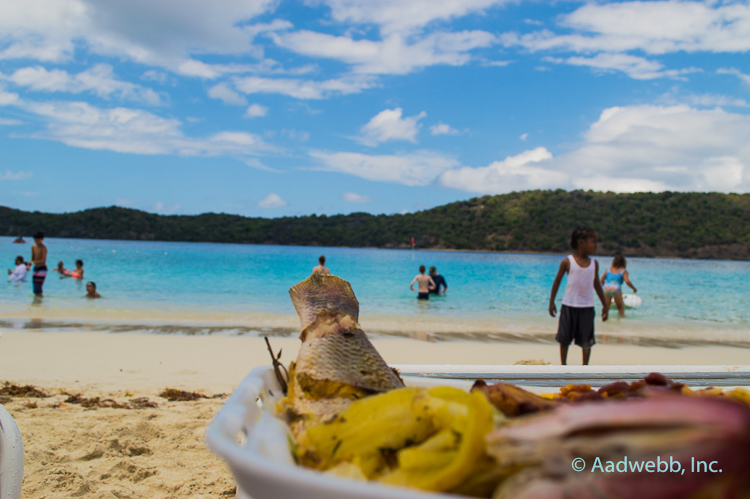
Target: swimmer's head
[
  {"x": 421, "y": 269},
  {"x": 19, "y": 260},
  {"x": 60, "y": 264},
  {"x": 619, "y": 262},
  {"x": 79, "y": 263},
  {"x": 322, "y": 260},
  {"x": 39, "y": 236},
  {"x": 91, "y": 287},
  {"x": 433, "y": 270}
]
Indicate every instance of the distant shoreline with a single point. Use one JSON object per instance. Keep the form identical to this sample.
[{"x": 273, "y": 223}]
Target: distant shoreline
[
  {"x": 446, "y": 250},
  {"x": 690, "y": 225}
]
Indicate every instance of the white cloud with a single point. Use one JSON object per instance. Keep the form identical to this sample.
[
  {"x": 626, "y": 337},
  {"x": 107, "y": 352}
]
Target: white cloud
[
  {"x": 637, "y": 68},
  {"x": 353, "y": 197},
  {"x": 629, "y": 149},
  {"x": 388, "y": 125},
  {"x": 443, "y": 129},
  {"x": 736, "y": 72},
  {"x": 79, "y": 124},
  {"x": 702, "y": 100},
  {"x": 392, "y": 55},
  {"x": 256, "y": 111},
  {"x": 303, "y": 89},
  {"x": 8, "y": 98},
  {"x": 226, "y": 95},
  {"x": 272, "y": 201},
  {"x": 153, "y": 75},
  {"x": 663, "y": 147},
  {"x": 160, "y": 207},
  {"x": 514, "y": 173},
  {"x": 259, "y": 165},
  {"x": 155, "y": 33},
  {"x": 403, "y": 15},
  {"x": 126, "y": 203},
  {"x": 417, "y": 168},
  {"x": 524, "y": 136},
  {"x": 99, "y": 80},
  {"x": 658, "y": 27},
  {"x": 9, "y": 122},
  {"x": 296, "y": 135},
  {"x": 9, "y": 175}
]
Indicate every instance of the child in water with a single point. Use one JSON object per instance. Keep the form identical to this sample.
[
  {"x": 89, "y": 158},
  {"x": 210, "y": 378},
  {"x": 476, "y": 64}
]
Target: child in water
[
  {"x": 577, "y": 314},
  {"x": 612, "y": 281}
]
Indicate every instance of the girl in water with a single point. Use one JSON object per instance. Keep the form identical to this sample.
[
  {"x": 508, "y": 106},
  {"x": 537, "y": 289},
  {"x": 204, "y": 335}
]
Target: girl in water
[{"x": 612, "y": 281}]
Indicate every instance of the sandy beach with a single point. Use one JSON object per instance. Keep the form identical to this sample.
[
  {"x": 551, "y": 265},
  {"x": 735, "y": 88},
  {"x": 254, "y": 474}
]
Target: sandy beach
[{"x": 73, "y": 451}]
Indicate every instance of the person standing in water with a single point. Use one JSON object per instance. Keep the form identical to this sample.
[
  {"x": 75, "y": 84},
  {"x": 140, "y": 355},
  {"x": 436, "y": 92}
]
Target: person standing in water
[
  {"x": 39, "y": 260},
  {"x": 321, "y": 268},
  {"x": 439, "y": 280},
  {"x": 425, "y": 284},
  {"x": 577, "y": 314},
  {"x": 612, "y": 281},
  {"x": 18, "y": 274}
]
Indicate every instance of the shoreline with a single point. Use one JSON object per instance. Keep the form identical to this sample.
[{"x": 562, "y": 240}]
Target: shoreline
[
  {"x": 434, "y": 328},
  {"x": 408, "y": 248},
  {"x": 114, "y": 363}
]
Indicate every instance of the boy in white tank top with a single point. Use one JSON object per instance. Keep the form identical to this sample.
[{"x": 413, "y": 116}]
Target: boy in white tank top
[{"x": 577, "y": 314}]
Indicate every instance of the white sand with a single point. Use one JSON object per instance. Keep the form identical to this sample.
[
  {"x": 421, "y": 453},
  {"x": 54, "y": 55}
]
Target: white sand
[{"x": 159, "y": 452}]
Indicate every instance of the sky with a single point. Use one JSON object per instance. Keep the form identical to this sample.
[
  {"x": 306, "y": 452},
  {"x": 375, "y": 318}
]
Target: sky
[{"x": 271, "y": 108}]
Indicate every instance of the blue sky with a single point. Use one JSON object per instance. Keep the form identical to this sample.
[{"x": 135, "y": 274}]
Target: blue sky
[{"x": 273, "y": 108}]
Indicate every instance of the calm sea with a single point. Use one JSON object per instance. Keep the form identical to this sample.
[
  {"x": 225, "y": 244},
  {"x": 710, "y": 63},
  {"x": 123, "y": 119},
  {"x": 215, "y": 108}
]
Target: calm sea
[{"x": 247, "y": 286}]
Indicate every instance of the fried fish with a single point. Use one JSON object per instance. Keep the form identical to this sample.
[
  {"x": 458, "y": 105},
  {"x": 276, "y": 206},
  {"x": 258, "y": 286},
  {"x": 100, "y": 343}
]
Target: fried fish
[{"x": 336, "y": 363}]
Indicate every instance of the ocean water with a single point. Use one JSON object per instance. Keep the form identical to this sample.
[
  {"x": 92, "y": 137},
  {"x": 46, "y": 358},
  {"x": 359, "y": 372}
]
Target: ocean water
[{"x": 241, "y": 284}]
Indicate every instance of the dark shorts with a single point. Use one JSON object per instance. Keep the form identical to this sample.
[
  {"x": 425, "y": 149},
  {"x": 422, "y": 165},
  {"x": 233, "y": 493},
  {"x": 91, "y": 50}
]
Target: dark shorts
[
  {"x": 38, "y": 277},
  {"x": 423, "y": 296},
  {"x": 576, "y": 325}
]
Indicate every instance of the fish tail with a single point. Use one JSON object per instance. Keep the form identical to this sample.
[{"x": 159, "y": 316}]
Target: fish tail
[{"x": 323, "y": 293}]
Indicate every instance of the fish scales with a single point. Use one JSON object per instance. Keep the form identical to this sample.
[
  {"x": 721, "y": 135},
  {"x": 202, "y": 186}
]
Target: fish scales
[
  {"x": 334, "y": 347},
  {"x": 346, "y": 357}
]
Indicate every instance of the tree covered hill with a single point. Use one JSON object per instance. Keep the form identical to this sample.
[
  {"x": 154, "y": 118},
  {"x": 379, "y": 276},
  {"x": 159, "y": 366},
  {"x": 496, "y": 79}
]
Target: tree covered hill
[{"x": 668, "y": 224}]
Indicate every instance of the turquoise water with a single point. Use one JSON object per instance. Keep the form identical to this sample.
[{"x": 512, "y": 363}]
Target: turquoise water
[{"x": 237, "y": 279}]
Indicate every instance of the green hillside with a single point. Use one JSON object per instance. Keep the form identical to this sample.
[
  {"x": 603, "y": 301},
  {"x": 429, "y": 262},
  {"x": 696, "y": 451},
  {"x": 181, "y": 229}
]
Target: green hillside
[{"x": 669, "y": 224}]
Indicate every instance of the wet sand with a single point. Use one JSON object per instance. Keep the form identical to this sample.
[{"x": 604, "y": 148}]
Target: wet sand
[{"x": 159, "y": 452}]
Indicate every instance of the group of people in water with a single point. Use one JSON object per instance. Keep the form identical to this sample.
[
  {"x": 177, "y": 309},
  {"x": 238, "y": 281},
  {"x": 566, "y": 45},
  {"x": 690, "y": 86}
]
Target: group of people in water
[
  {"x": 429, "y": 284},
  {"x": 432, "y": 284},
  {"x": 39, "y": 272}
]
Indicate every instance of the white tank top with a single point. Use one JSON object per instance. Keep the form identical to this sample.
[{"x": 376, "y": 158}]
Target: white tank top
[{"x": 579, "y": 291}]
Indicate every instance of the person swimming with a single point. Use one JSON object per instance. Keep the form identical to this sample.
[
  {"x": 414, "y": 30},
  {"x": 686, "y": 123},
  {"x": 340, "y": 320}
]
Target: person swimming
[
  {"x": 91, "y": 290},
  {"x": 77, "y": 272},
  {"x": 61, "y": 269}
]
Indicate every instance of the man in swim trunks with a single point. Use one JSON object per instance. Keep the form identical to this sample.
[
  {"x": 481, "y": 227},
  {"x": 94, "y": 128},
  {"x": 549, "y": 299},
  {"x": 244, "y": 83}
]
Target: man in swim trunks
[
  {"x": 425, "y": 284},
  {"x": 39, "y": 260}
]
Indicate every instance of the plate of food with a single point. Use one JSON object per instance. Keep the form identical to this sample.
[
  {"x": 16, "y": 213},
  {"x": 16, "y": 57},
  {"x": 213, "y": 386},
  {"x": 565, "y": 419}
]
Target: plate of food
[{"x": 338, "y": 423}]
